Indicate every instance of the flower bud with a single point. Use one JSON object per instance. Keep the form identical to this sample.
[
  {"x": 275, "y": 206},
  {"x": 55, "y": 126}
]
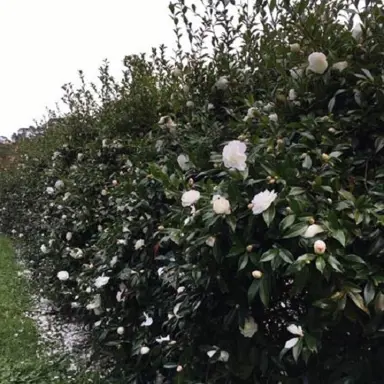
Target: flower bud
[
  {"x": 249, "y": 248},
  {"x": 177, "y": 72},
  {"x": 325, "y": 157},
  {"x": 319, "y": 247},
  {"x": 179, "y": 368},
  {"x": 160, "y": 228},
  {"x": 331, "y": 130},
  {"x": 311, "y": 221},
  {"x": 190, "y": 181},
  {"x": 295, "y": 47},
  {"x": 257, "y": 274},
  {"x": 250, "y": 206}
]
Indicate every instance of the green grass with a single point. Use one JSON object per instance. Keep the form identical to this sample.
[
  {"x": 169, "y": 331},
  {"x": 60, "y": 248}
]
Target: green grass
[{"x": 19, "y": 361}]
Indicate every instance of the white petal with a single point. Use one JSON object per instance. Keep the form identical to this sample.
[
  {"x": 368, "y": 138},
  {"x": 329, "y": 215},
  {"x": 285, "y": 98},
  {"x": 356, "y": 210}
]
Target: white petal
[
  {"x": 291, "y": 343},
  {"x": 295, "y": 330}
]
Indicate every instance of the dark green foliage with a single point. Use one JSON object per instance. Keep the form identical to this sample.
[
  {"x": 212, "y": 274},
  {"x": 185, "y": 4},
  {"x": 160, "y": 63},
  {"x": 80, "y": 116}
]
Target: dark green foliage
[{"x": 322, "y": 153}]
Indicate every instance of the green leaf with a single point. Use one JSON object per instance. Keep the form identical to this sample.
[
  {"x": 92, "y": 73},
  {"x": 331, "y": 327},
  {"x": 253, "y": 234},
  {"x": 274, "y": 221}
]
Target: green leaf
[
  {"x": 354, "y": 258},
  {"x": 285, "y": 255},
  {"x": 339, "y": 236},
  {"x": 296, "y": 230},
  {"x": 369, "y": 292},
  {"x": 368, "y": 74},
  {"x": 335, "y": 264},
  {"x": 358, "y": 300},
  {"x": 331, "y": 104},
  {"x": 264, "y": 291},
  {"x": 269, "y": 215},
  {"x": 287, "y": 222},
  {"x": 379, "y": 143},
  {"x": 253, "y": 289},
  {"x": 243, "y": 261},
  {"x": 320, "y": 264},
  {"x": 231, "y": 220},
  {"x": 268, "y": 255},
  {"x": 346, "y": 195},
  {"x": 311, "y": 342},
  {"x": 294, "y": 191},
  {"x": 296, "y": 350}
]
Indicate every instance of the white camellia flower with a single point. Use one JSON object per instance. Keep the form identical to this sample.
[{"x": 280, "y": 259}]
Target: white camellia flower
[
  {"x": 210, "y": 107},
  {"x": 162, "y": 339},
  {"x": 63, "y": 275},
  {"x": 317, "y": 62},
  {"x": 167, "y": 122},
  {"x": 210, "y": 241},
  {"x": 319, "y": 247},
  {"x": 295, "y": 330},
  {"x": 104, "y": 192},
  {"x": 262, "y": 201},
  {"x": 177, "y": 72},
  {"x": 50, "y": 190},
  {"x": 139, "y": 244},
  {"x": 183, "y": 161},
  {"x": 292, "y": 95},
  {"x": 251, "y": 113},
  {"x": 120, "y": 294},
  {"x": 95, "y": 305},
  {"x": 59, "y": 184},
  {"x": 313, "y": 230},
  {"x": 113, "y": 261},
  {"x": 44, "y": 248},
  {"x": 68, "y": 236},
  {"x": 76, "y": 253},
  {"x": 357, "y": 31},
  {"x": 220, "y": 205},
  {"x": 190, "y": 104},
  {"x": 222, "y": 83},
  {"x": 120, "y": 331},
  {"x": 190, "y": 198},
  {"x": 250, "y": 327},
  {"x": 144, "y": 350},
  {"x": 66, "y": 196},
  {"x": 180, "y": 290},
  {"x": 234, "y": 156},
  {"x": 273, "y": 117},
  {"x": 223, "y": 356},
  {"x": 295, "y": 47},
  {"x": 55, "y": 155},
  {"x": 101, "y": 281},
  {"x": 340, "y": 65},
  {"x": 268, "y": 107},
  {"x": 296, "y": 73},
  {"x": 148, "y": 320}
]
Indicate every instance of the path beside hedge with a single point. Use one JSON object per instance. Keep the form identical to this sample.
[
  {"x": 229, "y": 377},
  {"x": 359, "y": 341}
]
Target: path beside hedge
[{"x": 19, "y": 350}]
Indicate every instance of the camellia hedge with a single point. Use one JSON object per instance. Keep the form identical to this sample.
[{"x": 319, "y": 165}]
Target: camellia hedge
[{"x": 218, "y": 217}]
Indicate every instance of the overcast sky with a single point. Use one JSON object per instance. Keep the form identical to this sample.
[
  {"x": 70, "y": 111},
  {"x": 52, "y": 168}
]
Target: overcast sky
[{"x": 45, "y": 42}]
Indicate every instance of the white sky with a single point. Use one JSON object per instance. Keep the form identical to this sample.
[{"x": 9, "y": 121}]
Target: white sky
[{"x": 44, "y": 42}]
